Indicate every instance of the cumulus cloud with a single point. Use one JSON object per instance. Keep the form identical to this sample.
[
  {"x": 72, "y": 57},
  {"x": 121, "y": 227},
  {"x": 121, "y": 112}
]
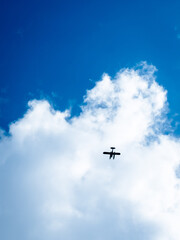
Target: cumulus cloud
[{"x": 57, "y": 184}]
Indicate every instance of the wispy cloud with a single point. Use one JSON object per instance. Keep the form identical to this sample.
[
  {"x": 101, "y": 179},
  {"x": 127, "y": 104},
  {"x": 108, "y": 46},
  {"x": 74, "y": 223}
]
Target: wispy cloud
[{"x": 57, "y": 183}]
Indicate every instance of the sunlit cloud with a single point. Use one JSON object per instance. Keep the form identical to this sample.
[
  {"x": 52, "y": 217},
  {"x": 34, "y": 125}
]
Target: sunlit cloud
[{"x": 64, "y": 187}]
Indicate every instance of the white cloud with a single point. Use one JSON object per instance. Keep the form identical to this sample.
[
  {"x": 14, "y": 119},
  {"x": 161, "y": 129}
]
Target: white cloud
[{"x": 57, "y": 183}]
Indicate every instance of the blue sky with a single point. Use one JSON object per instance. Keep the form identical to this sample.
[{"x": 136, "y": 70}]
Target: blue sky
[
  {"x": 77, "y": 77},
  {"x": 58, "y": 49}
]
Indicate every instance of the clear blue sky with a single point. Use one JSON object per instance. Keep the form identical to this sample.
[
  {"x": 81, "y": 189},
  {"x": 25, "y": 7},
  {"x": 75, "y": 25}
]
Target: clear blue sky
[{"x": 58, "y": 49}]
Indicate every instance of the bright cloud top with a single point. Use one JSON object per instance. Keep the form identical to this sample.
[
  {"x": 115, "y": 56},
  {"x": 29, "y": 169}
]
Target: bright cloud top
[{"x": 57, "y": 183}]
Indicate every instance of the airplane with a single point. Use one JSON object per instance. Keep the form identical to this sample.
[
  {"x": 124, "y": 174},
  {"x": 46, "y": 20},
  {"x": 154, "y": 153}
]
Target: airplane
[{"x": 112, "y": 153}]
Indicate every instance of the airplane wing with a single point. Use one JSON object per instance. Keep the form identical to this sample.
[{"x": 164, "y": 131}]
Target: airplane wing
[
  {"x": 116, "y": 153},
  {"x": 106, "y": 153}
]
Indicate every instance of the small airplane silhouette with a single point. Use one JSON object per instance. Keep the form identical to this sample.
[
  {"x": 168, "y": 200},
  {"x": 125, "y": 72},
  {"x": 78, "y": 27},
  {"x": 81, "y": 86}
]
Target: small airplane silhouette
[{"x": 112, "y": 154}]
